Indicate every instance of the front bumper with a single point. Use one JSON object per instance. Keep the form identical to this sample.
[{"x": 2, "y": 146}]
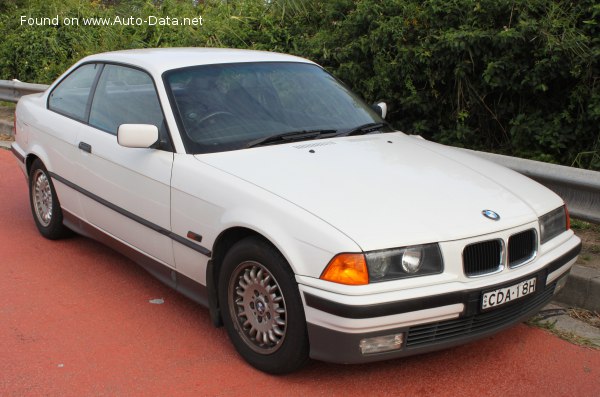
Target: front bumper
[{"x": 421, "y": 334}]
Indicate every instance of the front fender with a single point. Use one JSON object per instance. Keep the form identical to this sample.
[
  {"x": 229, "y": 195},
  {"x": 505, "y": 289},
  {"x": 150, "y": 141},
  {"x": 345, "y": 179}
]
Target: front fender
[{"x": 208, "y": 201}]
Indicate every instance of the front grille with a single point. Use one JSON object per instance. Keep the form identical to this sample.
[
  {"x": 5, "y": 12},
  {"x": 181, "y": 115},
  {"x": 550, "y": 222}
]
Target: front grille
[
  {"x": 476, "y": 324},
  {"x": 482, "y": 258},
  {"x": 521, "y": 247}
]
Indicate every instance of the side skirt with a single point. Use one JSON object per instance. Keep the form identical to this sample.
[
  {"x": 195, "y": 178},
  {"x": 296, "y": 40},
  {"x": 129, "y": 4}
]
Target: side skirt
[{"x": 182, "y": 284}]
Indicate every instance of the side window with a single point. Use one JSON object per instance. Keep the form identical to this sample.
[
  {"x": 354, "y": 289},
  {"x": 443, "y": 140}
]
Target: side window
[
  {"x": 124, "y": 96},
  {"x": 70, "y": 96}
]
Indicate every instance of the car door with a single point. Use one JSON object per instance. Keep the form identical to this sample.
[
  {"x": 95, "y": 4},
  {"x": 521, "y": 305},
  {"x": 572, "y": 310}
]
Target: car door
[
  {"x": 67, "y": 113},
  {"x": 126, "y": 191}
]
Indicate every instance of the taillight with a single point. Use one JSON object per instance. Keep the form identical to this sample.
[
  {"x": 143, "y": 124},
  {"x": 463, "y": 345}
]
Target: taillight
[{"x": 568, "y": 217}]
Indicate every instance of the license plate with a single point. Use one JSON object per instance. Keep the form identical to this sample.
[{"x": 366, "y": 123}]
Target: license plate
[{"x": 502, "y": 296}]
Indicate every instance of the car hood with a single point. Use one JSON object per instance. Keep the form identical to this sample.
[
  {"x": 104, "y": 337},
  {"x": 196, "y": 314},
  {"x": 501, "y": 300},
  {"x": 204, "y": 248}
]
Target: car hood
[{"x": 390, "y": 190}]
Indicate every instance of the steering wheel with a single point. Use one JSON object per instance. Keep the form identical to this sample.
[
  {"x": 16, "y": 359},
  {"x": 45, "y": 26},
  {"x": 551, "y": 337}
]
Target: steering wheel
[{"x": 214, "y": 115}]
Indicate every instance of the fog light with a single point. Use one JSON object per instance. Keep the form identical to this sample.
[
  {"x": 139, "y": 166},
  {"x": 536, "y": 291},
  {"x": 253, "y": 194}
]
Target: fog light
[
  {"x": 560, "y": 284},
  {"x": 380, "y": 344}
]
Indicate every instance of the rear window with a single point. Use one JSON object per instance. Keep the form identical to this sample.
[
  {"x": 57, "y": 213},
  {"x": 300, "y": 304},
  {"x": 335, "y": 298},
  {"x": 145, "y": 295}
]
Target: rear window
[{"x": 70, "y": 97}]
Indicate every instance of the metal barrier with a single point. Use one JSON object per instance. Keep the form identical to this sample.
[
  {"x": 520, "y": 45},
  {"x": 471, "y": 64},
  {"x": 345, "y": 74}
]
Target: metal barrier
[
  {"x": 11, "y": 91},
  {"x": 579, "y": 188}
]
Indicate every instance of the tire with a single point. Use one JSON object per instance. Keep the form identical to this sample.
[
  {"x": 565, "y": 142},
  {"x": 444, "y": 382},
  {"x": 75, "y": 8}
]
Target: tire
[
  {"x": 261, "y": 307},
  {"x": 45, "y": 206}
]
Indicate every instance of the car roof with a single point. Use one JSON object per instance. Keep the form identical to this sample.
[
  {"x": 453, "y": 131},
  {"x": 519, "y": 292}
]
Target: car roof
[{"x": 159, "y": 60}]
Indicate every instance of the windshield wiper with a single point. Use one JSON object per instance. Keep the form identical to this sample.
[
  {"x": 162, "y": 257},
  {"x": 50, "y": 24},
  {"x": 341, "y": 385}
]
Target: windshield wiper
[
  {"x": 290, "y": 137},
  {"x": 361, "y": 129}
]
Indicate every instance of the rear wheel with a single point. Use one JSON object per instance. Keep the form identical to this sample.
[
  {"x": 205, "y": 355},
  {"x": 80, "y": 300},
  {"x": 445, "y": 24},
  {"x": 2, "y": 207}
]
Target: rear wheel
[
  {"x": 262, "y": 309},
  {"x": 44, "y": 203}
]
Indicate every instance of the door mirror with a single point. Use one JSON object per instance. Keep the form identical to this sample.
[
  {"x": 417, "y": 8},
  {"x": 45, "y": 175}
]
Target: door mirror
[
  {"x": 380, "y": 108},
  {"x": 137, "y": 135}
]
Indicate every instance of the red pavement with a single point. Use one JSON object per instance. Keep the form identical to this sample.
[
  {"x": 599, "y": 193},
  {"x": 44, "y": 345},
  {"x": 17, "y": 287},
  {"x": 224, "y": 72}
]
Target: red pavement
[{"x": 75, "y": 321}]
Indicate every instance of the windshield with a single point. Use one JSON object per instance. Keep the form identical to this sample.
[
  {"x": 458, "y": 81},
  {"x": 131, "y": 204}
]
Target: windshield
[{"x": 229, "y": 106}]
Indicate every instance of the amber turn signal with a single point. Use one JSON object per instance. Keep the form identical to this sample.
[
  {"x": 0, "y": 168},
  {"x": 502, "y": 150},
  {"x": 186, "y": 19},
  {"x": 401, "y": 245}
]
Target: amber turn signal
[{"x": 349, "y": 269}]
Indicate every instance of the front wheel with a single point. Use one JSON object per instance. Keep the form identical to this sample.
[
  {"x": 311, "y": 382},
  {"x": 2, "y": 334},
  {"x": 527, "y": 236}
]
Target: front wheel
[
  {"x": 262, "y": 309},
  {"x": 44, "y": 203}
]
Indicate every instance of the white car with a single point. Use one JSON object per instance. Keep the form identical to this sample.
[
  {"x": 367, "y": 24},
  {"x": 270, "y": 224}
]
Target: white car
[{"x": 258, "y": 185}]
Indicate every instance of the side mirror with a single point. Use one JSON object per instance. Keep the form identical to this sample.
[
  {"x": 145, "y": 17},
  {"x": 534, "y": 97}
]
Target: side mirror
[
  {"x": 380, "y": 108},
  {"x": 137, "y": 135}
]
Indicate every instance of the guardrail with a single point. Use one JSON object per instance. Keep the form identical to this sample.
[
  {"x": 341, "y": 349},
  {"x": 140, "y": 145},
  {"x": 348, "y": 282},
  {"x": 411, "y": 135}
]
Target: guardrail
[
  {"x": 579, "y": 188},
  {"x": 12, "y": 90}
]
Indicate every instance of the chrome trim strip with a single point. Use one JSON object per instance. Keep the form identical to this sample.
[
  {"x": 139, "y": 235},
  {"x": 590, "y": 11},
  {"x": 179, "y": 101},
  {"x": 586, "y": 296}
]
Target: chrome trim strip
[{"x": 134, "y": 217}]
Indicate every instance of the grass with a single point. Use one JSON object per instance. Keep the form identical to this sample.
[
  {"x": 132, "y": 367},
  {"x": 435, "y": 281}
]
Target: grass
[
  {"x": 590, "y": 235},
  {"x": 576, "y": 224},
  {"x": 9, "y": 105},
  {"x": 587, "y": 316}
]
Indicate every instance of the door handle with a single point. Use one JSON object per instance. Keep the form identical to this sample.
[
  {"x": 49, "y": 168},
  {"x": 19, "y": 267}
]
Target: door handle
[{"x": 86, "y": 147}]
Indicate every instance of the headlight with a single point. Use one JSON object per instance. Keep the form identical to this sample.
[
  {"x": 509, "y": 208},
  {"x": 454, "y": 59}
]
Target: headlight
[
  {"x": 553, "y": 223},
  {"x": 396, "y": 263}
]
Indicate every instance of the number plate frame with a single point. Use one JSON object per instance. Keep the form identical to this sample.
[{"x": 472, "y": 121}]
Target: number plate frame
[{"x": 501, "y": 296}]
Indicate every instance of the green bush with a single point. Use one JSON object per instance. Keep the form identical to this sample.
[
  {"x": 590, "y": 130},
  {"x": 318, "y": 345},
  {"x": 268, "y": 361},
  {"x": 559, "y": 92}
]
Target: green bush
[
  {"x": 514, "y": 77},
  {"x": 520, "y": 78}
]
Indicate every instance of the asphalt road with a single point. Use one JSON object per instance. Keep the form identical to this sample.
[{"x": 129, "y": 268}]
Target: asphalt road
[{"x": 75, "y": 320}]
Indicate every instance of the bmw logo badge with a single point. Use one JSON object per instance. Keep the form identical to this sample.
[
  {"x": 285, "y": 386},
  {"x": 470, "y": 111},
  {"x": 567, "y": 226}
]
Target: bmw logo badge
[{"x": 491, "y": 215}]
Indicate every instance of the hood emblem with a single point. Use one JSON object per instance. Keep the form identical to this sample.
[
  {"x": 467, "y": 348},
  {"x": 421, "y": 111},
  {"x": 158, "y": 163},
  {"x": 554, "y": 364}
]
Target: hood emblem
[{"x": 491, "y": 215}]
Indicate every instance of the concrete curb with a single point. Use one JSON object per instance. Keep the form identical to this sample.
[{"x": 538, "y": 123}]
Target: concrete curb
[
  {"x": 582, "y": 289},
  {"x": 5, "y": 144},
  {"x": 557, "y": 317}
]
